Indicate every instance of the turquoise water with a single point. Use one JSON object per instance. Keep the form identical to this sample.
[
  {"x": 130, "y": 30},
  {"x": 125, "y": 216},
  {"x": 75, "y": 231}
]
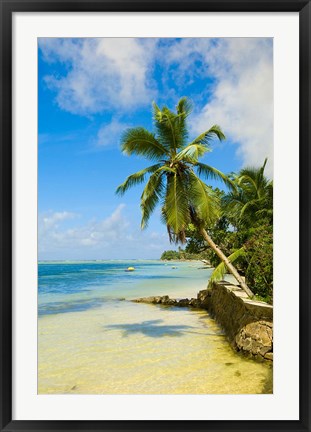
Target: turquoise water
[
  {"x": 76, "y": 286},
  {"x": 91, "y": 342}
]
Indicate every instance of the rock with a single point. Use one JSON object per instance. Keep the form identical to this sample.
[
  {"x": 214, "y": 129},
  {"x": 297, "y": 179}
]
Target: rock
[
  {"x": 183, "y": 302},
  {"x": 264, "y": 350},
  {"x": 255, "y": 337},
  {"x": 269, "y": 356},
  {"x": 194, "y": 302},
  {"x": 151, "y": 300},
  {"x": 165, "y": 300},
  {"x": 203, "y": 297},
  {"x": 171, "y": 302}
]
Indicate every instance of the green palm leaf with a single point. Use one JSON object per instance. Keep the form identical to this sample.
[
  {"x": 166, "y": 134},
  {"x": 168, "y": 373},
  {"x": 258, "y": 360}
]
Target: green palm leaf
[
  {"x": 184, "y": 107},
  {"x": 141, "y": 142},
  {"x": 252, "y": 199},
  {"x": 192, "y": 153},
  {"x": 150, "y": 196},
  {"x": 176, "y": 204},
  {"x": 221, "y": 269},
  {"x": 213, "y": 173},
  {"x": 206, "y": 137},
  {"x": 171, "y": 128},
  {"x": 135, "y": 179},
  {"x": 203, "y": 200}
]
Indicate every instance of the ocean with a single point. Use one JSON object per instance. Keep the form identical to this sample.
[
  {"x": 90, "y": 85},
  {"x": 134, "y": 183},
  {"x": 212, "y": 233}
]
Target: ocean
[{"x": 93, "y": 340}]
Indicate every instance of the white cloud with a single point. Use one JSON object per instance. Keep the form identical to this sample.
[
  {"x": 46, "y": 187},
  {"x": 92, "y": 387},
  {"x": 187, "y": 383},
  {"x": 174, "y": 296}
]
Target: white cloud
[
  {"x": 240, "y": 95},
  {"x": 51, "y": 234},
  {"x": 101, "y": 73},
  {"x": 112, "y": 237},
  {"x": 110, "y": 133},
  {"x": 242, "y": 99},
  {"x": 51, "y": 219},
  {"x": 118, "y": 73}
]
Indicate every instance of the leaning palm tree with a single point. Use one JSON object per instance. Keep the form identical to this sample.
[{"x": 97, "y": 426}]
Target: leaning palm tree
[{"x": 175, "y": 176}]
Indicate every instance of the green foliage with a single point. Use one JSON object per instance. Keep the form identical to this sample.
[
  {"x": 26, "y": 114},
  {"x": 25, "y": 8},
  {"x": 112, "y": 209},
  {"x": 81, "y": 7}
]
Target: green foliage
[
  {"x": 259, "y": 253},
  {"x": 170, "y": 255},
  {"x": 221, "y": 269},
  {"x": 189, "y": 205},
  {"x": 174, "y": 179},
  {"x": 179, "y": 255},
  {"x": 251, "y": 200},
  {"x": 243, "y": 232}
]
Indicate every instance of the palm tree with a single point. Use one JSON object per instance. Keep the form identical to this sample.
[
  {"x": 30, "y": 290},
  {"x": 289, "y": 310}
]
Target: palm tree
[
  {"x": 246, "y": 206},
  {"x": 175, "y": 176},
  {"x": 252, "y": 198}
]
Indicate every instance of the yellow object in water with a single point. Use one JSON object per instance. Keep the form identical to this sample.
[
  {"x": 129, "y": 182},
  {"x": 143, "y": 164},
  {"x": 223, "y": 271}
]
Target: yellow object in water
[{"x": 130, "y": 269}]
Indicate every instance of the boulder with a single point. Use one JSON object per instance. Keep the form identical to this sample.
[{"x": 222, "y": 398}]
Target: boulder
[
  {"x": 165, "y": 300},
  {"x": 203, "y": 297},
  {"x": 255, "y": 338},
  {"x": 151, "y": 300},
  {"x": 183, "y": 302}
]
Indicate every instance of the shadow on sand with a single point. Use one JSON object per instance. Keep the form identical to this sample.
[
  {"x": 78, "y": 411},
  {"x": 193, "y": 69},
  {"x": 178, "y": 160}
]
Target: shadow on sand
[{"x": 150, "y": 328}]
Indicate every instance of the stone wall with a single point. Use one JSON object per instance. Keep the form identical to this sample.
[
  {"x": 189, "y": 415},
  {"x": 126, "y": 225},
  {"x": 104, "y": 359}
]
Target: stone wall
[{"x": 247, "y": 323}]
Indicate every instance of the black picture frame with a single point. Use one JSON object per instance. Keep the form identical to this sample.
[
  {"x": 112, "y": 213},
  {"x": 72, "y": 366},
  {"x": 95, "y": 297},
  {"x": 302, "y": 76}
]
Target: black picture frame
[{"x": 8, "y": 7}]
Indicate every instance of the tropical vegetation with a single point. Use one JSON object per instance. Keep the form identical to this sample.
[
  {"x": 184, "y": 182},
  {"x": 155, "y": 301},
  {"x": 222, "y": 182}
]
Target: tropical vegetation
[
  {"x": 175, "y": 177},
  {"x": 181, "y": 254},
  {"x": 244, "y": 231}
]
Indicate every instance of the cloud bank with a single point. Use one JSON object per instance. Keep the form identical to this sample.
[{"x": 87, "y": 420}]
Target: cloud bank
[
  {"x": 109, "y": 238},
  {"x": 100, "y": 74},
  {"x": 105, "y": 74}
]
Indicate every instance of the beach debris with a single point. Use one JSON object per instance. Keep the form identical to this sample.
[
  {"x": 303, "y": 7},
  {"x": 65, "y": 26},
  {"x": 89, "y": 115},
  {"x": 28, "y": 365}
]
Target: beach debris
[{"x": 129, "y": 269}]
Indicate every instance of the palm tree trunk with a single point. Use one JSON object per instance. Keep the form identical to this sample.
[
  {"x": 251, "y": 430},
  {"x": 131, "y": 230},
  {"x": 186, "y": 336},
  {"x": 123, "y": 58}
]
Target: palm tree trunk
[{"x": 227, "y": 263}]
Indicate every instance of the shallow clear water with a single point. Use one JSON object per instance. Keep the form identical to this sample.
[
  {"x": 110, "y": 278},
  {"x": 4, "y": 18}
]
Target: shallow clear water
[{"x": 91, "y": 342}]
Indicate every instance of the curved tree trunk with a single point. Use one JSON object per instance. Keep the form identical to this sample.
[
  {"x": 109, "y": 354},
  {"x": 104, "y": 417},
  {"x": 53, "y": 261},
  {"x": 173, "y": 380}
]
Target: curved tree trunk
[{"x": 227, "y": 263}]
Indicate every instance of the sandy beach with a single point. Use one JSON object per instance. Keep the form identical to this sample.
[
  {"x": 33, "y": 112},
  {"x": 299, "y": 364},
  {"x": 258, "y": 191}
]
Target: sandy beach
[{"x": 91, "y": 342}]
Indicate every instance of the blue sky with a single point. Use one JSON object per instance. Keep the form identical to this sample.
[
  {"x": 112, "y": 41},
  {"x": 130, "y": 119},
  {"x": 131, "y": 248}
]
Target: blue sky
[{"x": 91, "y": 90}]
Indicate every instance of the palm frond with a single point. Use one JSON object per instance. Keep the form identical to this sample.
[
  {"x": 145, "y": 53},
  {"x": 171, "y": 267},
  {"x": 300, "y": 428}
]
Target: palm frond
[
  {"x": 141, "y": 142},
  {"x": 213, "y": 173},
  {"x": 206, "y": 137},
  {"x": 171, "y": 128},
  {"x": 221, "y": 269},
  {"x": 252, "y": 199},
  {"x": 135, "y": 179},
  {"x": 184, "y": 106},
  {"x": 176, "y": 204},
  {"x": 203, "y": 200},
  {"x": 192, "y": 153},
  {"x": 183, "y": 109},
  {"x": 150, "y": 196}
]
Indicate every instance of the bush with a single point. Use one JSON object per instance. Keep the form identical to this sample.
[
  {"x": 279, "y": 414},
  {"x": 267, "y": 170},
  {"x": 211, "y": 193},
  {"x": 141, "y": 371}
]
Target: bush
[
  {"x": 259, "y": 254},
  {"x": 170, "y": 255}
]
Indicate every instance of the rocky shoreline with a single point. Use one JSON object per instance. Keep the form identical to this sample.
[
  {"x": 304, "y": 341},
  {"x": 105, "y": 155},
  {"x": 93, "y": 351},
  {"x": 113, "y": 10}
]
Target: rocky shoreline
[
  {"x": 167, "y": 301},
  {"x": 248, "y": 324}
]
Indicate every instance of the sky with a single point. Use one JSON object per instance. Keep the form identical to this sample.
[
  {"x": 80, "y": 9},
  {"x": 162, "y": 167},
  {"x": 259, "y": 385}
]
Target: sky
[{"x": 91, "y": 90}]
